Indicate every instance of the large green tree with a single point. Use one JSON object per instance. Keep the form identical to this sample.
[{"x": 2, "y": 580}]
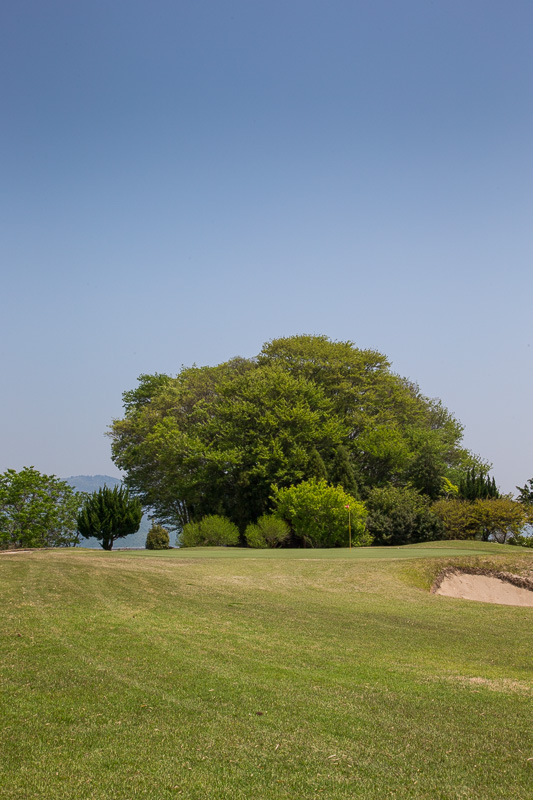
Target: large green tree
[
  {"x": 108, "y": 515},
  {"x": 213, "y": 440},
  {"x": 216, "y": 439},
  {"x": 394, "y": 433},
  {"x": 37, "y": 510}
]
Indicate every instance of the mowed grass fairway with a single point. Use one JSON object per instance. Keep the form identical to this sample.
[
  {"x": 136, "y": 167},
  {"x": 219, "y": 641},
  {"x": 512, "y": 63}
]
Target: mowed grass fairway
[{"x": 264, "y": 675}]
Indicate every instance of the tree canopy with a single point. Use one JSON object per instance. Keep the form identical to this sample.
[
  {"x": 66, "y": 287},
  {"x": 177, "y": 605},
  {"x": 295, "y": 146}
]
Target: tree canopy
[
  {"x": 37, "y": 510},
  {"x": 215, "y": 440}
]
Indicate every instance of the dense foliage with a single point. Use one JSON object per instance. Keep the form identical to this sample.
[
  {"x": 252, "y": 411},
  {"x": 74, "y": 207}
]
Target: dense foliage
[
  {"x": 321, "y": 515},
  {"x": 525, "y": 495},
  {"x": 268, "y": 531},
  {"x": 215, "y": 440},
  {"x": 37, "y": 510},
  {"x": 498, "y": 519},
  {"x": 458, "y": 517},
  {"x": 108, "y": 515},
  {"x": 211, "y": 531},
  {"x": 501, "y": 519},
  {"x": 401, "y": 515},
  {"x": 475, "y": 484}
]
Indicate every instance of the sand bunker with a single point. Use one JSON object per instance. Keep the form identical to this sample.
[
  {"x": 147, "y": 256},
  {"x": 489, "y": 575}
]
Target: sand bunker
[{"x": 485, "y": 588}]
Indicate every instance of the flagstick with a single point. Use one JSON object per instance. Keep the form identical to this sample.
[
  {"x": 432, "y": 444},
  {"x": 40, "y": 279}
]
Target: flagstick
[{"x": 349, "y": 525}]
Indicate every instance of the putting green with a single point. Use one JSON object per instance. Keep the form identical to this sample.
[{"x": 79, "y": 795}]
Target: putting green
[{"x": 359, "y": 553}]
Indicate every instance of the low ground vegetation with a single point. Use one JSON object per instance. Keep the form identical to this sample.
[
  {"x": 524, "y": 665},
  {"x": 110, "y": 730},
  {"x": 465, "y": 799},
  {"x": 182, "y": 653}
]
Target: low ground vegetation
[{"x": 277, "y": 674}]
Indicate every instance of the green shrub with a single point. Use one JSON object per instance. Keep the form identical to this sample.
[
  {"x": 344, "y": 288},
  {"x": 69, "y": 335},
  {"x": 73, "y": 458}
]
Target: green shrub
[
  {"x": 318, "y": 514},
  {"x": 400, "y": 515},
  {"x": 268, "y": 531},
  {"x": 190, "y": 535},
  {"x": 254, "y": 536},
  {"x": 211, "y": 531},
  {"x": 458, "y": 517},
  {"x": 521, "y": 540},
  {"x": 157, "y": 538},
  {"x": 274, "y": 530}
]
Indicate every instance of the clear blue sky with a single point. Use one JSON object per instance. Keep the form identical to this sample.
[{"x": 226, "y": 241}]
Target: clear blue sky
[{"x": 183, "y": 180}]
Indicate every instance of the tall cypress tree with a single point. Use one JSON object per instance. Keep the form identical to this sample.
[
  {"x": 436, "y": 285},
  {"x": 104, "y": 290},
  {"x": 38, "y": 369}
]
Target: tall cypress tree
[
  {"x": 476, "y": 485},
  {"x": 316, "y": 467}
]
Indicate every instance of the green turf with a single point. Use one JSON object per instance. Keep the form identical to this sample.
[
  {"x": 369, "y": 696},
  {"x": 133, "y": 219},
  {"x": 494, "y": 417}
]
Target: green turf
[
  {"x": 185, "y": 675},
  {"x": 411, "y": 551}
]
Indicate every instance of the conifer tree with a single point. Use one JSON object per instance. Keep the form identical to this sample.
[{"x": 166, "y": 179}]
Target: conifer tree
[
  {"x": 316, "y": 467},
  {"x": 109, "y": 514},
  {"x": 476, "y": 485}
]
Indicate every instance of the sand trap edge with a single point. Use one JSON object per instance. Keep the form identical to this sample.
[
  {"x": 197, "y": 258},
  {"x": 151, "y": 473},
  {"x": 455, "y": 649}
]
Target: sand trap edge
[{"x": 508, "y": 577}]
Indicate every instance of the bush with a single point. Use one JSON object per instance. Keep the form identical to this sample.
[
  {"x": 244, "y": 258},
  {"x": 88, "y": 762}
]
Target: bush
[
  {"x": 254, "y": 536},
  {"x": 521, "y": 540},
  {"x": 459, "y": 519},
  {"x": 268, "y": 531},
  {"x": 157, "y": 538},
  {"x": 497, "y": 519},
  {"x": 500, "y": 518},
  {"x": 400, "y": 516},
  {"x": 274, "y": 530},
  {"x": 318, "y": 514},
  {"x": 211, "y": 531}
]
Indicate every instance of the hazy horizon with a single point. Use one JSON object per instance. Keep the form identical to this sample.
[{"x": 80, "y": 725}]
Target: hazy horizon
[{"x": 183, "y": 182}]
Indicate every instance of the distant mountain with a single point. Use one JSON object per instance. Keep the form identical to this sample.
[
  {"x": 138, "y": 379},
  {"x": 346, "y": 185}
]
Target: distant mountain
[{"x": 90, "y": 484}]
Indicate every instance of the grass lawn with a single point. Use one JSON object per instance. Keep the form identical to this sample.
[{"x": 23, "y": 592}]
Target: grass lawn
[{"x": 224, "y": 673}]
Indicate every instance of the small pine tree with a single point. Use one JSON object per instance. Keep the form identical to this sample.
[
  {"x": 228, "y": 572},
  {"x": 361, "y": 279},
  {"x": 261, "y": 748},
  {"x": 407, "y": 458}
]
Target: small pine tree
[{"x": 109, "y": 514}]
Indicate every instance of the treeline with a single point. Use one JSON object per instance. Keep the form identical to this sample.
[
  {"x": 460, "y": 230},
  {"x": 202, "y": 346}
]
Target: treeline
[
  {"x": 312, "y": 443},
  {"x": 38, "y": 510},
  {"x": 227, "y": 441}
]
